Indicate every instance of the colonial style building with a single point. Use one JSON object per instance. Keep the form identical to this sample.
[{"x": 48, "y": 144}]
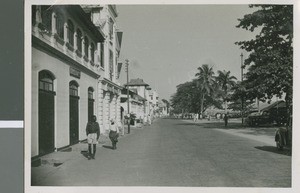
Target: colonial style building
[
  {"x": 75, "y": 73},
  {"x": 66, "y": 66},
  {"x": 136, "y": 104},
  {"x": 104, "y": 18},
  {"x": 151, "y": 96}
]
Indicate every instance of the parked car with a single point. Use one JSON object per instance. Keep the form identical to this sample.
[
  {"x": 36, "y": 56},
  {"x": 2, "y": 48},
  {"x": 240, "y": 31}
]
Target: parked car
[{"x": 273, "y": 114}]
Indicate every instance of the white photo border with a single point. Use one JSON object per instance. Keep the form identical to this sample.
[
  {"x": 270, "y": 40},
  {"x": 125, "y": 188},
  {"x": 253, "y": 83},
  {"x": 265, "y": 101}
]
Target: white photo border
[{"x": 74, "y": 189}]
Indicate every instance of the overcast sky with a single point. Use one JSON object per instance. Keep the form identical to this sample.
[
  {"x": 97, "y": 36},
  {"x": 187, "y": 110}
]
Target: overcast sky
[{"x": 165, "y": 44}]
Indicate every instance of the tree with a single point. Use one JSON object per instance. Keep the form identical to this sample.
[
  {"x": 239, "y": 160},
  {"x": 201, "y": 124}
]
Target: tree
[
  {"x": 271, "y": 52},
  {"x": 186, "y": 99},
  {"x": 226, "y": 82},
  {"x": 239, "y": 93},
  {"x": 206, "y": 82}
]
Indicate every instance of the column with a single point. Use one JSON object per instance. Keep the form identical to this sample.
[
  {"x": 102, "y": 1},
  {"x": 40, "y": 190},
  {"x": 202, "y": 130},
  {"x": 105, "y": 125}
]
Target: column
[
  {"x": 100, "y": 107},
  {"x": 118, "y": 109},
  {"x": 106, "y": 111},
  {"x": 53, "y": 22},
  {"x": 66, "y": 38},
  {"x": 75, "y": 42}
]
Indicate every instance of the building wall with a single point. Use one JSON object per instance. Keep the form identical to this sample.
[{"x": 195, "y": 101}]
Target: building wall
[
  {"x": 48, "y": 54},
  {"x": 43, "y": 61}
]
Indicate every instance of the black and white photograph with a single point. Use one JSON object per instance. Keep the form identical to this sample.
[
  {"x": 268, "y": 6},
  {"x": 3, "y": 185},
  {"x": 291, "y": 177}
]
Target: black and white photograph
[{"x": 159, "y": 95}]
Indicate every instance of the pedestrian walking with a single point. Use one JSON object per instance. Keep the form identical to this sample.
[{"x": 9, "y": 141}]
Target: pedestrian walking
[
  {"x": 149, "y": 119},
  {"x": 93, "y": 134},
  {"x": 113, "y": 133},
  {"x": 226, "y": 119}
]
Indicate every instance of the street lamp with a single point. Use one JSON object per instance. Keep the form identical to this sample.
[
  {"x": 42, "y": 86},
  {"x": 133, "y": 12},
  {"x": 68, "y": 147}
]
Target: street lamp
[
  {"x": 128, "y": 110},
  {"x": 242, "y": 97}
]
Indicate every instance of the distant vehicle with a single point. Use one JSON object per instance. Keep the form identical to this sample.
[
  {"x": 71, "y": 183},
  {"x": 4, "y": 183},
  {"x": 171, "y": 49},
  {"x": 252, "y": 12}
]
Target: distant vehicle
[{"x": 273, "y": 114}]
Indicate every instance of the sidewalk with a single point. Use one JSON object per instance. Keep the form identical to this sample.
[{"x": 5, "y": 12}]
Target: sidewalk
[{"x": 53, "y": 161}]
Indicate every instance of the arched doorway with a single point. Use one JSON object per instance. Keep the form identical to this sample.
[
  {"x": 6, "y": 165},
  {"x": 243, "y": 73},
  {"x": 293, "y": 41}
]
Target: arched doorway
[
  {"x": 74, "y": 112},
  {"x": 90, "y": 103},
  {"x": 46, "y": 112}
]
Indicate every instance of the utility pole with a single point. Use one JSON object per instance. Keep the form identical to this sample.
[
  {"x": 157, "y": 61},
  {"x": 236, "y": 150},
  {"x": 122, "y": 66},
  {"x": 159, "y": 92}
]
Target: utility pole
[
  {"x": 128, "y": 109},
  {"x": 242, "y": 90}
]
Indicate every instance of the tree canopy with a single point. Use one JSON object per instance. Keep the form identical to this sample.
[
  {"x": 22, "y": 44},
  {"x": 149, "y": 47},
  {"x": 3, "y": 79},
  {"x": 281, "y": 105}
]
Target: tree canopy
[
  {"x": 271, "y": 52},
  {"x": 270, "y": 60}
]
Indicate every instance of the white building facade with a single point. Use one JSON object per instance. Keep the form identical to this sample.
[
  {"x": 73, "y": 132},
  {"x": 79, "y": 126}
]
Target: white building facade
[
  {"x": 104, "y": 18},
  {"x": 66, "y": 68}
]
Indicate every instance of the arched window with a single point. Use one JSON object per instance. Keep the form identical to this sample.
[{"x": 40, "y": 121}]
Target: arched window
[
  {"x": 102, "y": 54},
  {"x": 111, "y": 28},
  {"x": 90, "y": 93},
  {"x": 74, "y": 88},
  {"x": 47, "y": 17},
  {"x": 92, "y": 52},
  {"x": 60, "y": 25},
  {"x": 79, "y": 40},
  {"x": 46, "y": 81},
  {"x": 86, "y": 46},
  {"x": 71, "y": 32}
]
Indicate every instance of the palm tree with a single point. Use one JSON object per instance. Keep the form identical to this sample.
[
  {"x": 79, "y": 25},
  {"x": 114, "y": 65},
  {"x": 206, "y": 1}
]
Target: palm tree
[
  {"x": 226, "y": 82},
  {"x": 206, "y": 82}
]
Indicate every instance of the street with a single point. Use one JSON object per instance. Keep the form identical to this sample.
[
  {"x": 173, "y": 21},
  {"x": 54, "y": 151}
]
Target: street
[{"x": 174, "y": 152}]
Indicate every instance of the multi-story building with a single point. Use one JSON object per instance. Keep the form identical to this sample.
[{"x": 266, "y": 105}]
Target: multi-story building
[
  {"x": 141, "y": 89},
  {"x": 153, "y": 95},
  {"x": 75, "y": 73},
  {"x": 136, "y": 104},
  {"x": 104, "y": 18},
  {"x": 67, "y": 62}
]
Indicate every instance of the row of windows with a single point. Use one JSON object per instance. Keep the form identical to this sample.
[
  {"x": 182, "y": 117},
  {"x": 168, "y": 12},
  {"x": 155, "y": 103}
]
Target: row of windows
[
  {"x": 46, "y": 84},
  {"x": 46, "y": 14}
]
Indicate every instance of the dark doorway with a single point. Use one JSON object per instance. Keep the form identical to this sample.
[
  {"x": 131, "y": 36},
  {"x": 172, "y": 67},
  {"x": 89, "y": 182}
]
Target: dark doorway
[
  {"x": 46, "y": 113},
  {"x": 74, "y": 113},
  {"x": 90, "y": 103},
  {"x": 122, "y": 113}
]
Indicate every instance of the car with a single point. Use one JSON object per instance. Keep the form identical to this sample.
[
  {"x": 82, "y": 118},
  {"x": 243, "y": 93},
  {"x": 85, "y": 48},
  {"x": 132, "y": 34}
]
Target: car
[{"x": 273, "y": 114}]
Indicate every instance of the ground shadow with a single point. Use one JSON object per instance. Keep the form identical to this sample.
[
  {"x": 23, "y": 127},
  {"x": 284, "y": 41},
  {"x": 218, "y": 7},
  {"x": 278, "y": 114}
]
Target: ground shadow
[
  {"x": 214, "y": 125},
  {"x": 85, "y": 153},
  {"x": 107, "y": 147},
  {"x": 274, "y": 149}
]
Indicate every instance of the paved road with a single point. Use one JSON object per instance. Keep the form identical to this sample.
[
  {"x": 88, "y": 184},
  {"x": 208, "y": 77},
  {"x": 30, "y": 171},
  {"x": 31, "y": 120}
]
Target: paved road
[{"x": 178, "y": 153}]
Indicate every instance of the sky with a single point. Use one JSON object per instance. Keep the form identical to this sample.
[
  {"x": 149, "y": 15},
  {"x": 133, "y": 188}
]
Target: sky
[{"x": 165, "y": 44}]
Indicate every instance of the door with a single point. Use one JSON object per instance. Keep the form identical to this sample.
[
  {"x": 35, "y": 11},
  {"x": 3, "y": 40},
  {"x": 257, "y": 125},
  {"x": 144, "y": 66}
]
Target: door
[
  {"x": 46, "y": 113},
  {"x": 74, "y": 113},
  {"x": 90, "y": 103}
]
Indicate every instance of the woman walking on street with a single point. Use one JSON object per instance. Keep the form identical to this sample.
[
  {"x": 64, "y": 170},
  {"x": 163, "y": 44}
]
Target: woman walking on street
[
  {"x": 93, "y": 134},
  {"x": 113, "y": 134}
]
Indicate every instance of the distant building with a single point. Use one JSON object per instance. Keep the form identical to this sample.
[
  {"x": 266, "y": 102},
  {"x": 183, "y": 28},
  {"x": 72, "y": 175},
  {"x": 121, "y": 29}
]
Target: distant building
[
  {"x": 140, "y": 87},
  {"x": 136, "y": 104},
  {"x": 154, "y": 98}
]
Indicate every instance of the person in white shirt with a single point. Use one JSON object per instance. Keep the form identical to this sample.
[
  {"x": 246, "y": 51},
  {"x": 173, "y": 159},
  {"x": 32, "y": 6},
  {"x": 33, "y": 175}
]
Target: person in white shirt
[{"x": 113, "y": 133}]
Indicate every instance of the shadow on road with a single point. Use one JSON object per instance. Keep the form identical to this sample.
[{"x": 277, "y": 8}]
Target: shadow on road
[
  {"x": 214, "y": 125},
  {"x": 274, "y": 149},
  {"x": 107, "y": 147},
  {"x": 85, "y": 153},
  {"x": 263, "y": 130}
]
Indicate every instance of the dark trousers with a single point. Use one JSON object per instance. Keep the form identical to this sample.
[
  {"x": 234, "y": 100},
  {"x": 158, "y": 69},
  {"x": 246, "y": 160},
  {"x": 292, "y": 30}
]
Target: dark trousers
[{"x": 94, "y": 150}]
